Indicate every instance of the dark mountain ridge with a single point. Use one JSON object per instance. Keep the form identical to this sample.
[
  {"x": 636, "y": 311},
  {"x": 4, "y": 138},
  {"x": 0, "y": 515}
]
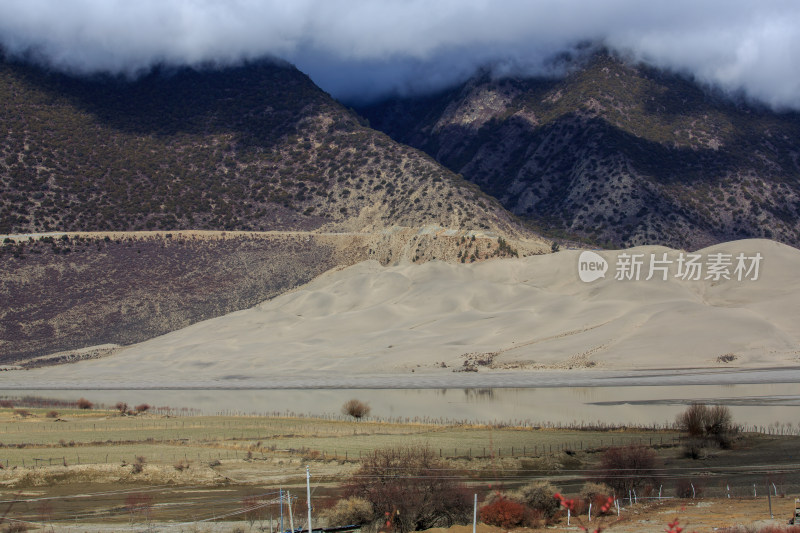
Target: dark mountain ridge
[{"x": 615, "y": 153}]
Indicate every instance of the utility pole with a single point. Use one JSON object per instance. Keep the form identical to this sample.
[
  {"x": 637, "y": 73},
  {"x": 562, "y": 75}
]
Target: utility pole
[
  {"x": 475, "y": 514},
  {"x": 308, "y": 495},
  {"x": 291, "y": 518}
]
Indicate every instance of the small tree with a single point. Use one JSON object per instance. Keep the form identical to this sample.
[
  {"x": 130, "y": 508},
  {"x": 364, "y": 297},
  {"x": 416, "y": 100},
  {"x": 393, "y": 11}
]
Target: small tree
[
  {"x": 627, "y": 468},
  {"x": 356, "y": 408},
  {"x": 83, "y": 403},
  {"x": 693, "y": 420},
  {"x": 704, "y": 424},
  {"x": 122, "y": 407}
]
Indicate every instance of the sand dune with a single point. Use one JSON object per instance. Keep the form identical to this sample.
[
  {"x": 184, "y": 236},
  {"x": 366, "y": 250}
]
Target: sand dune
[{"x": 526, "y": 314}]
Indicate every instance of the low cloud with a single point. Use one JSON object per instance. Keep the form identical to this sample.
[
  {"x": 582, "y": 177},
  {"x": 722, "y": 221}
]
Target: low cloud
[{"x": 364, "y": 49}]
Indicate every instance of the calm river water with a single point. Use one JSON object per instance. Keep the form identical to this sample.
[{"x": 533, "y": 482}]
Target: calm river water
[{"x": 751, "y": 404}]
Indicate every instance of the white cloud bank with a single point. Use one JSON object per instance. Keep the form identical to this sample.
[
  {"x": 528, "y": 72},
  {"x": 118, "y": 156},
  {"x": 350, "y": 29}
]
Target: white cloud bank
[{"x": 364, "y": 48}]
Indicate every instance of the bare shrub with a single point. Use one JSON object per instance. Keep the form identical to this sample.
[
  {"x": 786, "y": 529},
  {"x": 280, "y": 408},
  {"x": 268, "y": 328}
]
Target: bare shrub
[
  {"x": 539, "y": 496},
  {"x": 627, "y": 468},
  {"x": 6, "y": 404},
  {"x": 83, "y": 403},
  {"x": 15, "y": 527},
  {"x": 24, "y": 413},
  {"x": 705, "y": 425},
  {"x": 356, "y": 408},
  {"x": 718, "y": 420},
  {"x": 52, "y": 414},
  {"x": 181, "y": 465},
  {"x": 406, "y": 485},
  {"x": 142, "y": 408},
  {"x": 138, "y": 465},
  {"x": 685, "y": 488},
  {"x": 122, "y": 407},
  {"x": 592, "y": 491},
  {"x": 693, "y": 420},
  {"x": 352, "y": 511}
]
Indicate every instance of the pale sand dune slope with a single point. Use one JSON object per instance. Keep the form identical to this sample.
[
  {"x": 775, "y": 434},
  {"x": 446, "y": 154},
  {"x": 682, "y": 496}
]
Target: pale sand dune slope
[{"x": 531, "y": 313}]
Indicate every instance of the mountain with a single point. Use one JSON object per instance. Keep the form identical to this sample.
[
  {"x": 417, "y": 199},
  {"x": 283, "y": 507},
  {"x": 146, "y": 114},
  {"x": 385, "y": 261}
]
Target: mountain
[
  {"x": 284, "y": 182},
  {"x": 256, "y": 147},
  {"x": 615, "y": 153}
]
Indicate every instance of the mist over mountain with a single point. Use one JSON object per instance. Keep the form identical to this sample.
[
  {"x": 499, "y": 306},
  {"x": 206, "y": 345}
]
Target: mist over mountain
[{"x": 360, "y": 50}]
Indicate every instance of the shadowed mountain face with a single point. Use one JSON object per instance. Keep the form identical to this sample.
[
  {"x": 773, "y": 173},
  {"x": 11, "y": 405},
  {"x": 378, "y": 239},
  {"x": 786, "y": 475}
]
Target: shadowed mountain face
[
  {"x": 615, "y": 153},
  {"x": 257, "y": 147}
]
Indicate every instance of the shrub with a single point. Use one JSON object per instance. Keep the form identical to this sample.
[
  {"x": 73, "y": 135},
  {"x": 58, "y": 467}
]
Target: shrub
[
  {"x": 352, "y": 511},
  {"x": 539, "y": 496},
  {"x": 138, "y": 466},
  {"x": 122, "y": 407},
  {"x": 52, "y": 414},
  {"x": 6, "y": 404},
  {"x": 701, "y": 421},
  {"x": 356, "y": 408},
  {"x": 83, "y": 403},
  {"x": 692, "y": 420},
  {"x": 627, "y": 468},
  {"x": 685, "y": 488},
  {"x": 502, "y": 512},
  {"x": 142, "y": 408},
  {"x": 181, "y": 465},
  {"x": 718, "y": 420},
  {"x": 15, "y": 527},
  {"x": 703, "y": 424},
  {"x": 595, "y": 492},
  {"x": 406, "y": 485}
]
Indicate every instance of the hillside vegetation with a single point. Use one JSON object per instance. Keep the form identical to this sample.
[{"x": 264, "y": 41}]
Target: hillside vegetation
[
  {"x": 257, "y": 147},
  {"x": 616, "y": 153}
]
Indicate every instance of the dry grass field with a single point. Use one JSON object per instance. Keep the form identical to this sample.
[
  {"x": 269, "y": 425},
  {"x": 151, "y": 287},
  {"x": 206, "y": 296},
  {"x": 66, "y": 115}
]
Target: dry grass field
[{"x": 81, "y": 469}]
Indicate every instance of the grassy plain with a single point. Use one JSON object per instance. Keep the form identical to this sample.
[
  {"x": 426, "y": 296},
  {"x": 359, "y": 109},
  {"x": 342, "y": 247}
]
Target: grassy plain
[{"x": 204, "y": 467}]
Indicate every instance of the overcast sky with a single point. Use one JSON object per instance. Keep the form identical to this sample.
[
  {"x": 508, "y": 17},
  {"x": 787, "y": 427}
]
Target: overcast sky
[{"x": 359, "y": 49}]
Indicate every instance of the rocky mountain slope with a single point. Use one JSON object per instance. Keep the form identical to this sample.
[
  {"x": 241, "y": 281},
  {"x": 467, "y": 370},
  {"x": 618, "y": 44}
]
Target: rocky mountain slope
[
  {"x": 257, "y": 147},
  {"x": 616, "y": 153}
]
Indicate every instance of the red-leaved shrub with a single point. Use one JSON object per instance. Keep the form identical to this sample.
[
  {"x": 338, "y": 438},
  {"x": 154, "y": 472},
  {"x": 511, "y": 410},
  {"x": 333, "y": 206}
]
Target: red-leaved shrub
[{"x": 502, "y": 512}]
